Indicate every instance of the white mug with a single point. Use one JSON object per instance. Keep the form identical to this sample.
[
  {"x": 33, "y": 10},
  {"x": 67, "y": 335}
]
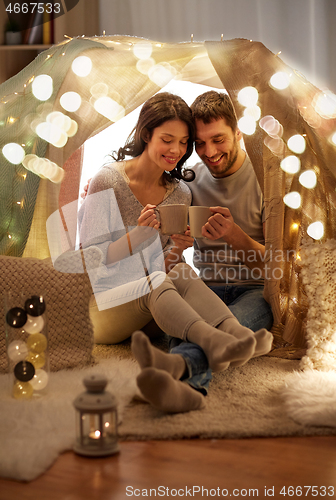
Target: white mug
[
  {"x": 198, "y": 216},
  {"x": 173, "y": 218}
]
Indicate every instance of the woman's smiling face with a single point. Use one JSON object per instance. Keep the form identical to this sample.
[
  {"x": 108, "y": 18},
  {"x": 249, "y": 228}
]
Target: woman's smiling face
[{"x": 168, "y": 144}]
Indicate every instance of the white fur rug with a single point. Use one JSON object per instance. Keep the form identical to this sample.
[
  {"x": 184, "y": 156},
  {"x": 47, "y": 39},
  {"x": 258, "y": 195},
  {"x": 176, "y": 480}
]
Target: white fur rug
[
  {"x": 33, "y": 433},
  {"x": 265, "y": 397},
  {"x": 310, "y": 397}
]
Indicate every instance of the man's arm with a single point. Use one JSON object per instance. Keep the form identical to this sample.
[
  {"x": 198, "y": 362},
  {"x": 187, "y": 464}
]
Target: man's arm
[{"x": 222, "y": 225}]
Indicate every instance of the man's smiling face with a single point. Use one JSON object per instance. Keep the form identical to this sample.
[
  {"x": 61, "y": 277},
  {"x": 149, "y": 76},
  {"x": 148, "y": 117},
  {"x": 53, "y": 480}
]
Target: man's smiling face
[{"x": 217, "y": 146}]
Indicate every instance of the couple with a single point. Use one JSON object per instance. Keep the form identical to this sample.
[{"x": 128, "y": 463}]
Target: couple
[{"x": 205, "y": 335}]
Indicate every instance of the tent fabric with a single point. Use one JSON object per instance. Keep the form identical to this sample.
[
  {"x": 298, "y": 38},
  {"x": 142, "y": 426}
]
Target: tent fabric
[
  {"x": 254, "y": 65},
  {"x": 18, "y": 109},
  {"x": 125, "y": 73}
]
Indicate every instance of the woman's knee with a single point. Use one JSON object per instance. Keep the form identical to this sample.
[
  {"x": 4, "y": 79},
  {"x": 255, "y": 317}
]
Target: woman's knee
[{"x": 183, "y": 276}]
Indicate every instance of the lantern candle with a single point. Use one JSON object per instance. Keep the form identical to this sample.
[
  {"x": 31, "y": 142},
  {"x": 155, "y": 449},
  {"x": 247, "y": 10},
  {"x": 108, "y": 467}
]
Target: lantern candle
[{"x": 96, "y": 419}]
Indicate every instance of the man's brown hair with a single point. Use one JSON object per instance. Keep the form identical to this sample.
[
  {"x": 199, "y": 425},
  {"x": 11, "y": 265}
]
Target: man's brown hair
[{"x": 212, "y": 106}]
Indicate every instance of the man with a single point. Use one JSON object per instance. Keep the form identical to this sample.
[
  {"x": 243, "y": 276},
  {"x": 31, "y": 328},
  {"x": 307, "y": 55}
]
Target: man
[{"x": 230, "y": 259}]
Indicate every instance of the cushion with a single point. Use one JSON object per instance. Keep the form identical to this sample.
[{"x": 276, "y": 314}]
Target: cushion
[{"x": 67, "y": 291}]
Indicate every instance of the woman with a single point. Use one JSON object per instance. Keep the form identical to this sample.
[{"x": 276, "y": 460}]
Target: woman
[{"x": 131, "y": 286}]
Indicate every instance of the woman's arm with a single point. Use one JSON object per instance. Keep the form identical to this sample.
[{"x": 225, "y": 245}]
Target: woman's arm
[
  {"x": 127, "y": 244},
  {"x": 181, "y": 243}
]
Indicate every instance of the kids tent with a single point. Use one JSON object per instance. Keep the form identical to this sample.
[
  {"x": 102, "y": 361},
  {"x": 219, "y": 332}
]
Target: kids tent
[{"x": 80, "y": 86}]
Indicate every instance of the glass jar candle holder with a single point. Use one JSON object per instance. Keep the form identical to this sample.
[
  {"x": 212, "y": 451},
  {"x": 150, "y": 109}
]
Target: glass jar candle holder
[{"x": 26, "y": 344}]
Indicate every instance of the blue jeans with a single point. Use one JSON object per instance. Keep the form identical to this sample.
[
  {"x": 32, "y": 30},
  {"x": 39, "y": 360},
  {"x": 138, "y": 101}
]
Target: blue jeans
[
  {"x": 247, "y": 304},
  {"x": 251, "y": 310}
]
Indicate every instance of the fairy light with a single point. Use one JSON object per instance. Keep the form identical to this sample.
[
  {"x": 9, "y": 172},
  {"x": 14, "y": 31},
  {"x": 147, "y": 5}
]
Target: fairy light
[
  {"x": 142, "y": 50},
  {"x": 280, "y": 80},
  {"x": 324, "y": 104},
  {"x": 109, "y": 108},
  {"x": 308, "y": 179},
  {"x": 297, "y": 143},
  {"x": 291, "y": 164},
  {"x": 248, "y": 96},
  {"x": 333, "y": 138},
  {"x": 13, "y": 152},
  {"x": 292, "y": 200},
  {"x": 247, "y": 125},
  {"x": 253, "y": 111},
  {"x": 316, "y": 230},
  {"x": 82, "y": 66},
  {"x": 71, "y": 101},
  {"x": 42, "y": 87}
]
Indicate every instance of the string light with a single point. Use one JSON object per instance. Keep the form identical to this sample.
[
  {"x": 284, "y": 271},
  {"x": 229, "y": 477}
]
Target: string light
[
  {"x": 292, "y": 200},
  {"x": 82, "y": 66},
  {"x": 280, "y": 80},
  {"x": 291, "y": 164},
  {"x": 308, "y": 179},
  {"x": 248, "y": 96},
  {"x": 297, "y": 143},
  {"x": 247, "y": 125},
  {"x": 13, "y": 152},
  {"x": 316, "y": 230},
  {"x": 42, "y": 87}
]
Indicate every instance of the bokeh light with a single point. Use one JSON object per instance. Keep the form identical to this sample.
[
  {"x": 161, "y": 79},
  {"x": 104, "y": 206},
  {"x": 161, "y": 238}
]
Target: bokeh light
[
  {"x": 275, "y": 144},
  {"x": 109, "y": 108},
  {"x": 253, "y": 111},
  {"x": 52, "y": 134},
  {"x": 280, "y": 80},
  {"x": 144, "y": 65},
  {"x": 42, "y": 87},
  {"x": 142, "y": 50},
  {"x": 70, "y": 101},
  {"x": 248, "y": 96},
  {"x": 308, "y": 179},
  {"x": 82, "y": 66},
  {"x": 99, "y": 89},
  {"x": 324, "y": 104},
  {"x": 297, "y": 143},
  {"x": 247, "y": 125},
  {"x": 293, "y": 199},
  {"x": 291, "y": 164},
  {"x": 316, "y": 230},
  {"x": 14, "y": 153},
  {"x": 271, "y": 126},
  {"x": 161, "y": 74}
]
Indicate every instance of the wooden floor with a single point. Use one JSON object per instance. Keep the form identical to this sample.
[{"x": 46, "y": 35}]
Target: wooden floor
[{"x": 237, "y": 468}]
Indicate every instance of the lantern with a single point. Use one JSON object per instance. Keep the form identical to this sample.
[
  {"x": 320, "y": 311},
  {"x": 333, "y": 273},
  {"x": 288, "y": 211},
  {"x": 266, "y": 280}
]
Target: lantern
[{"x": 96, "y": 419}]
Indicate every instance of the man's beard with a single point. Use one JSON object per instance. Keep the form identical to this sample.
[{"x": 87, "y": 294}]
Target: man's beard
[{"x": 232, "y": 157}]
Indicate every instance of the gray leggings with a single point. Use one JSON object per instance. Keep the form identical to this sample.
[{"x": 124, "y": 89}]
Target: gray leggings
[{"x": 176, "y": 302}]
